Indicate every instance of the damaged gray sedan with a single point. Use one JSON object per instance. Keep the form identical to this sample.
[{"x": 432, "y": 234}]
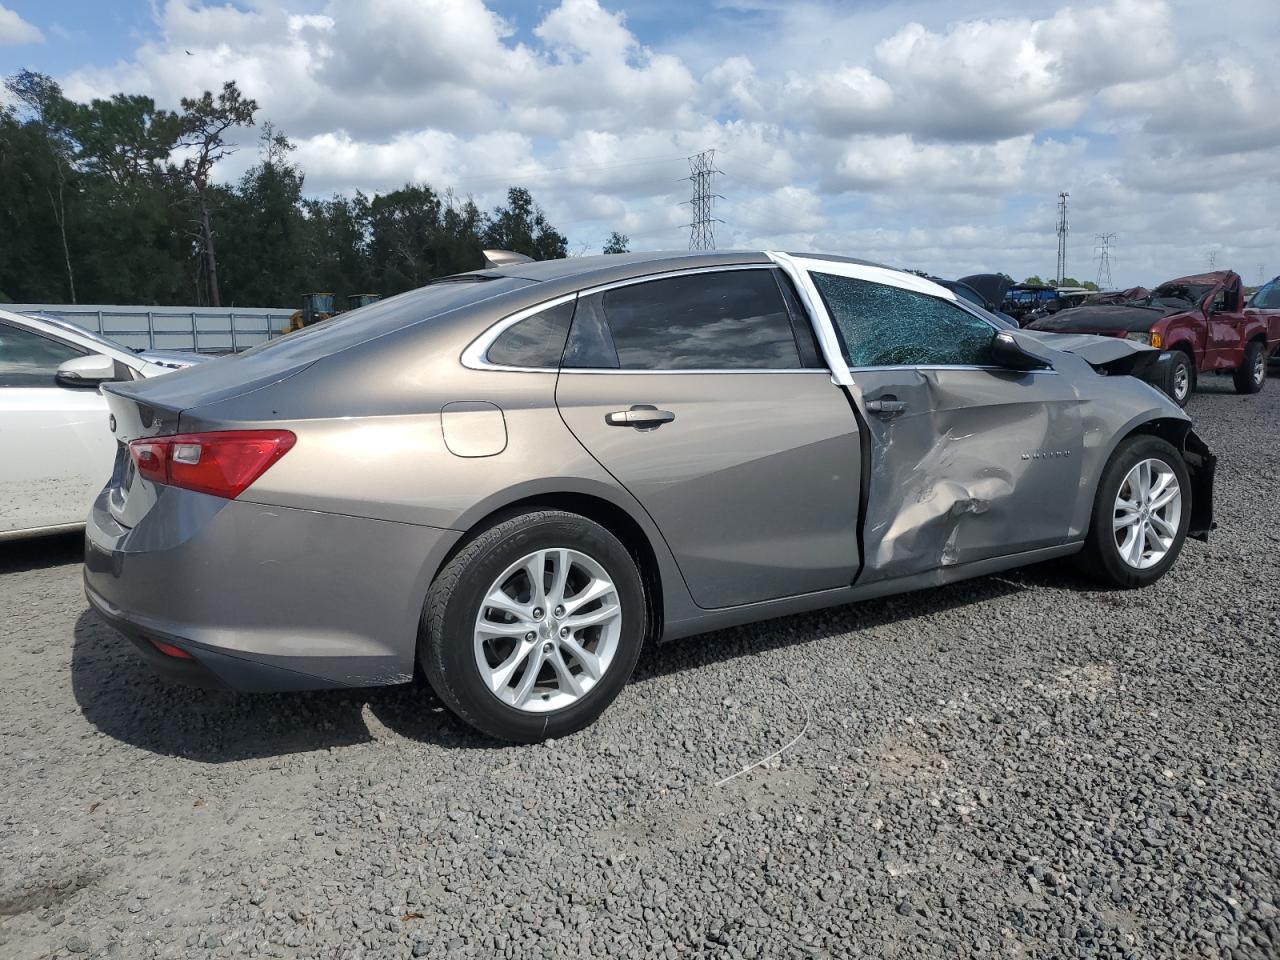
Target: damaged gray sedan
[{"x": 514, "y": 478}]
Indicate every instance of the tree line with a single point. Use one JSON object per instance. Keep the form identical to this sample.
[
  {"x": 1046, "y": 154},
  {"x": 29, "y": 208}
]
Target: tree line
[{"x": 116, "y": 201}]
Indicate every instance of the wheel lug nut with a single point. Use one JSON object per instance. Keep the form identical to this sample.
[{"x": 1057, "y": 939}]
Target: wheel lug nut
[
  {"x": 528, "y": 637},
  {"x": 564, "y": 631},
  {"x": 546, "y": 647},
  {"x": 537, "y": 613},
  {"x": 559, "y": 611}
]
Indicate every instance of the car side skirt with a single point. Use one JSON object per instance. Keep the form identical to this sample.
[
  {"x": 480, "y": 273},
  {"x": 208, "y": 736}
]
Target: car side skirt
[{"x": 940, "y": 576}]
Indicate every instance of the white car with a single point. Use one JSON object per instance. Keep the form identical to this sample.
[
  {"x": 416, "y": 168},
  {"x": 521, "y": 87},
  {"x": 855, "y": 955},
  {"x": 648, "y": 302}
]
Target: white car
[{"x": 56, "y": 448}]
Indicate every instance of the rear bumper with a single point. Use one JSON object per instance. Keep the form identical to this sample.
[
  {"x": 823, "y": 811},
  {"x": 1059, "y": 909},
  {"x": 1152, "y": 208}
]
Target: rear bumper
[{"x": 263, "y": 597}]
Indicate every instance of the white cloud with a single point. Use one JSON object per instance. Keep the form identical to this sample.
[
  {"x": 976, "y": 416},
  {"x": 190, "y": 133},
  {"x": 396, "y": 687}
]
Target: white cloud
[
  {"x": 984, "y": 79},
  {"x": 14, "y": 31},
  {"x": 899, "y": 161},
  {"x": 923, "y": 132}
]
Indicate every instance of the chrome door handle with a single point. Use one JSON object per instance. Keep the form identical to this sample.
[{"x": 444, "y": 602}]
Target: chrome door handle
[
  {"x": 887, "y": 407},
  {"x": 642, "y": 416}
]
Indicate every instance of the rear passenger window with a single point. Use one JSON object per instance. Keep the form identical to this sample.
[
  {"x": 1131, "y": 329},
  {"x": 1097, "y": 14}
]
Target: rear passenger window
[
  {"x": 885, "y": 326},
  {"x": 535, "y": 341},
  {"x": 726, "y": 320}
]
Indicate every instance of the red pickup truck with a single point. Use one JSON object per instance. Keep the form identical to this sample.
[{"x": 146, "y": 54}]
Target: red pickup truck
[{"x": 1200, "y": 320}]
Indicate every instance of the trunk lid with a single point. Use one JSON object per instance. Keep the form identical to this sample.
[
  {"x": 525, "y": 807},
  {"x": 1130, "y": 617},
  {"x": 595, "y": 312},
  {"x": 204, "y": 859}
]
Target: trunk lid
[{"x": 152, "y": 408}]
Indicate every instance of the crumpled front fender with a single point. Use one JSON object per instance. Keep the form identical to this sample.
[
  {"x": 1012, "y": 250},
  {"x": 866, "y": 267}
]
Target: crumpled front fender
[{"x": 1201, "y": 465}]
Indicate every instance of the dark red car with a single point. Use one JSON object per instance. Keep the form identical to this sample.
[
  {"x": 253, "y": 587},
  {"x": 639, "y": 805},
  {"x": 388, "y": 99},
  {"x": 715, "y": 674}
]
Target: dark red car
[{"x": 1201, "y": 321}]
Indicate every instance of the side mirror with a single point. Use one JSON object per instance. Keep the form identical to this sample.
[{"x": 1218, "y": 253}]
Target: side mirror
[
  {"x": 1010, "y": 352},
  {"x": 87, "y": 371}
]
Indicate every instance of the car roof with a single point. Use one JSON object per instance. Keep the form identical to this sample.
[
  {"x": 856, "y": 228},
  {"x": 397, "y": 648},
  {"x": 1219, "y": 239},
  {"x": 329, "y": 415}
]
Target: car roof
[
  {"x": 614, "y": 266},
  {"x": 1201, "y": 279}
]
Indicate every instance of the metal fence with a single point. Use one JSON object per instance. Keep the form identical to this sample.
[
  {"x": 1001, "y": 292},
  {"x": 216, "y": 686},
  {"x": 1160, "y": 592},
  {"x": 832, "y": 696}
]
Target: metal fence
[{"x": 202, "y": 329}]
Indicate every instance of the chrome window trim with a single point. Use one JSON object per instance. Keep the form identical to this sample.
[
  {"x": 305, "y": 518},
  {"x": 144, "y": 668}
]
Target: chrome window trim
[
  {"x": 799, "y": 269},
  {"x": 667, "y": 274},
  {"x": 828, "y": 343},
  {"x": 950, "y": 366},
  {"x": 474, "y": 356}
]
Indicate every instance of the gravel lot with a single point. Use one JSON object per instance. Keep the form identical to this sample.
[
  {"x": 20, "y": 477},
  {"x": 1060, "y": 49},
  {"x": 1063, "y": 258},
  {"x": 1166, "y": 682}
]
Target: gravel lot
[{"x": 1017, "y": 766}]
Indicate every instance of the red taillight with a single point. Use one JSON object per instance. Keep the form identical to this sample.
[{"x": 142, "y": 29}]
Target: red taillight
[
  {"x": 169, "y": 650},
  {"x": 223, "y": 464}
]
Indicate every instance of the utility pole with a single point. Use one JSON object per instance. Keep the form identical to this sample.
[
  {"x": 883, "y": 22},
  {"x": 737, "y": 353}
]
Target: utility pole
[
  {"x": 702, "y": 170},
  {"x": 1062, "y": 236},
  {"x": 1104, "y": 259},
  {"x": 1212, "y": 256}
]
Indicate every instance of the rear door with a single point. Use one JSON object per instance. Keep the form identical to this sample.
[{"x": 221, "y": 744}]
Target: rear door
[
  {"x": 968, "y": 460},
  {"x": 704, "y": 396},
  {"x": 55, "y": 448}
]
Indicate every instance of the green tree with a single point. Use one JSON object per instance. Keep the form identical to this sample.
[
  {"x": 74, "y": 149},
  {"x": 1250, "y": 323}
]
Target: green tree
[
  {"x": 1033, "y": 280},
  {"x": 617, "y": 243},
  {"x": 266, "y": 263},
  {"x": 103, "y": 210},
  {"x": 204, "y": 124},
  {"x": 45, "y": 172},
  {"x": 522, "y": 227},
  {"x": 335, "y": 252}
]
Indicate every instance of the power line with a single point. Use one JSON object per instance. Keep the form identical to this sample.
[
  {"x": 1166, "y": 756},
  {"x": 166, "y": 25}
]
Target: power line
[
  {"x": 1063, "y": 227},
  {"x": 1105, "y": 240},
  {"x": 702, "y": 170}
]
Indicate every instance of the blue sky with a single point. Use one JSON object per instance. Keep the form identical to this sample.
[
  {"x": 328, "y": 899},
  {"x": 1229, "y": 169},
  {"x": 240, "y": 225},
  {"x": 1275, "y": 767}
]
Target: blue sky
[{"x": 923, "y": 133}]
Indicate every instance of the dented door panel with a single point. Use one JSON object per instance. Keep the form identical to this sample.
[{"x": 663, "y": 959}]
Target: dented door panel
[{"x": 980, "y": 463}]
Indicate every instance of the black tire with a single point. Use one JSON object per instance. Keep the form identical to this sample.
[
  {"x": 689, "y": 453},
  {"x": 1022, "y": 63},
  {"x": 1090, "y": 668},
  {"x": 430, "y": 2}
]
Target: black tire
[
  {"x": 1101, "y": 557},
  {"x": 1180, "y": 381},
  {"x": 445, "y": 641},
  {"x": 1251, "y": 375}
]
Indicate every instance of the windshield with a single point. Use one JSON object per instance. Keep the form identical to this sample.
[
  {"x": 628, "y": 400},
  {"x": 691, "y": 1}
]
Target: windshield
[
  {"x": 83, "y": 332},
  {"x": 1267, "y": 296},
  {"x": 1180, "y": 294}
]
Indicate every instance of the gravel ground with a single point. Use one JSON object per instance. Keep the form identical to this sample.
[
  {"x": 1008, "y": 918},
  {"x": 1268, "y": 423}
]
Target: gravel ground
[{"x": 1017, "y": 766}]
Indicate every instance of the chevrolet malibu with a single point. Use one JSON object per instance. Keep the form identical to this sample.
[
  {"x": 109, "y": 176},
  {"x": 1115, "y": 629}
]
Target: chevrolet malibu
[{"x": 514, "y": 478}]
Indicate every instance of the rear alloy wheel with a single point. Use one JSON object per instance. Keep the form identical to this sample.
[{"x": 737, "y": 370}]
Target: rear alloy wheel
[
  {"x": 534, "y": 627},
  {"x": 1252, "y": 372},
  {"x": 1182, "y": 378},
  {"x": 547, "y": 630},
  {"x": 1140, "y": 514}
]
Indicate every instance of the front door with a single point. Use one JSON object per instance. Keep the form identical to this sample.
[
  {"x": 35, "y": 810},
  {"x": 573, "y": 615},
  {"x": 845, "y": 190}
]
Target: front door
[
  {"x": 692, "y": 392},
  {"x": 56, "y": 452},
  {"x": 1226, "y": 326},
  {"x": 968, "y": 460}
]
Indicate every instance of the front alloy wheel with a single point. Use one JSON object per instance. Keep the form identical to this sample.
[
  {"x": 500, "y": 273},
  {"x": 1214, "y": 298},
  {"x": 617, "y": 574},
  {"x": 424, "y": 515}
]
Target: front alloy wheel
[
  {"x": 1181, "y": 378},
  {"x": 1147, "y": 513},
  {"x": 1140, "y": 513}
]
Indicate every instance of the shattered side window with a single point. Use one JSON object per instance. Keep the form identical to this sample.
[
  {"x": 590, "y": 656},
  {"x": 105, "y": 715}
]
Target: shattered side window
[{"x": 884, "y": 326}]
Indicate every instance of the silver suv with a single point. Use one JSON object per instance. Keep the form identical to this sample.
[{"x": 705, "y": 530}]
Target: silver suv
[{"x": 513, "y": 478}]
